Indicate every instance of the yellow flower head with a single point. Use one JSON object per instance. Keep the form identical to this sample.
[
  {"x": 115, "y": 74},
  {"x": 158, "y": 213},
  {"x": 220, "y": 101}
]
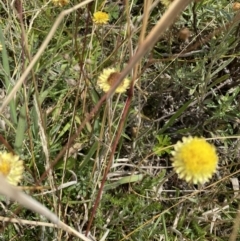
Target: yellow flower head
[
  {"x": 108, "y": 77},
  {"x": 100, "y": 17},
  {"x": 11, "y": 167},
  {"x": 60, "y": 3},
  {"x": 194, "y": 159},
  {"x": 236, "y": 6}
]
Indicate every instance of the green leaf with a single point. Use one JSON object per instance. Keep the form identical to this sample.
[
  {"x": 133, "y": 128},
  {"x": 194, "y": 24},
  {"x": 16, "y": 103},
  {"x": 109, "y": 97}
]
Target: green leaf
[
  {"x": 163, "y": 142},
  {"x": 123, "y": 180}
]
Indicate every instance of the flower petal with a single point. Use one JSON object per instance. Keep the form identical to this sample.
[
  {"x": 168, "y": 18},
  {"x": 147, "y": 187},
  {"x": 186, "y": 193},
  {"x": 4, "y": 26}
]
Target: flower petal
[{"x": 194, "y": 159}]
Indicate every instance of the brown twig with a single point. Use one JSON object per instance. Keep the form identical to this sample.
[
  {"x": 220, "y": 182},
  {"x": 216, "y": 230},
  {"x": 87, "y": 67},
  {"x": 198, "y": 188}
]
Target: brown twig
[
  {"x": 121, "y": 124},
  {"x": 114, "y": 146},
  {"x": 6, "y": 144}
]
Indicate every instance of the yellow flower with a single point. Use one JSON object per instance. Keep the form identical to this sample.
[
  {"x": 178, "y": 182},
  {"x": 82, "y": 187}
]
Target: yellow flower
[
  {"x": 60, "y": 3},
  {"x": 11, "y": 167},
  {"x": 1, "y": 47},
  {"x": 108, "y": 77},
  {"x": 194, "y": 159},
  {"x": 100, "y": 17}
]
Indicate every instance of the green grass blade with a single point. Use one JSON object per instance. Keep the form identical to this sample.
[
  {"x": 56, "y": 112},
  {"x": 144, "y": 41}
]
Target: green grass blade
[
  {"x": 5, "y": 63},
  {"x": 175, "y": 116},
  {"x": 21, "y": 128}
]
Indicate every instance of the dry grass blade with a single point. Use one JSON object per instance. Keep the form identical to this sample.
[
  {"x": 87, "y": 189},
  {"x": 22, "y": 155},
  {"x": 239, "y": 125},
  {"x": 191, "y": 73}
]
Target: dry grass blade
[
  {"x": 25, "y": 200},
  {"x": 30, "y": 203},
  {"x": 235, "y": 231},
  {"x": 27, "y": 222}
]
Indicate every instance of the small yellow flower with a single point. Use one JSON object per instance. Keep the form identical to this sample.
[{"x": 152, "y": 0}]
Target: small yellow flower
[
  {"x": 11, "y": 167},
  {"x": 108, "y": 78},
  {"x": 236, "y": 6},
  {"x": 194, "y": 159},
  {"x": 100, "y": 17},
  {"x": 1, "y": 47},
  {"x": 60, "y": 3}
]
